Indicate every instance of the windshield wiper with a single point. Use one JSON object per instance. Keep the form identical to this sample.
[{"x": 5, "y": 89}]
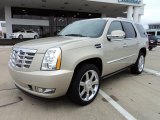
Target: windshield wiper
[{"x": 78, "y": 35}]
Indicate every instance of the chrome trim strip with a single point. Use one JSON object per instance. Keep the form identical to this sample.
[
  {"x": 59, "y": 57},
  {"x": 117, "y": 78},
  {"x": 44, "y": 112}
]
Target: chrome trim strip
[
  {"x": 116, "y": 60},
  {"x": 25, "y": 50}
]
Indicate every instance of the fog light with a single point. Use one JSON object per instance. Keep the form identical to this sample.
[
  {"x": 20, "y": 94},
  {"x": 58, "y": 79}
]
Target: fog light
[
  {"x": 40, "y": 90},
  {"x": 45, "y": 90},
  {"x": 49, "y": 91}
]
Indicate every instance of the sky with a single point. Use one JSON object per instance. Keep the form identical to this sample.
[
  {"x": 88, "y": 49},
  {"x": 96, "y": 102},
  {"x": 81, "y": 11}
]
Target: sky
[{"x": 151, "y": 12}]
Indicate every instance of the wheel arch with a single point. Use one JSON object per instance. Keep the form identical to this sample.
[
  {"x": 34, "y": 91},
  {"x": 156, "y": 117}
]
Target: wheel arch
[
  {"x": 95, "y": 61},
  {"x": 144, "y": 51}
]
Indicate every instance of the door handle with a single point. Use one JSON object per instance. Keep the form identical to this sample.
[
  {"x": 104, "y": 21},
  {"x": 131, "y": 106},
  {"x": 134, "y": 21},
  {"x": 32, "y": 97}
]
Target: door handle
[
  {"x": 125, "y": 45},
  {"x": 98, "y": 45}
]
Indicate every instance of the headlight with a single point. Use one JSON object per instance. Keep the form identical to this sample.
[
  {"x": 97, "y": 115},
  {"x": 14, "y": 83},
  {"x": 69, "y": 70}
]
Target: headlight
[{"x": 52, "y": 59}]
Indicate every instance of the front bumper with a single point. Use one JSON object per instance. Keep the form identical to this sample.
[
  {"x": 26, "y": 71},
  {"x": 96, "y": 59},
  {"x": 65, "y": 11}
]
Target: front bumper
[
  {"x": 13, "y": 36},
  {"x": 58, "y": 80}
]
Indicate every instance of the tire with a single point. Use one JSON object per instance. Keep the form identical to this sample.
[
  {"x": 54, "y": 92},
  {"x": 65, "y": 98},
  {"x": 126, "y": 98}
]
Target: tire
[
  {"x": 138, "y": 67},
  {"x": 83, "y": 91},
  {"x": 150, "y": 48},
  {"x": 20, "y": 37},
  {"x": 35, "y": 37}
]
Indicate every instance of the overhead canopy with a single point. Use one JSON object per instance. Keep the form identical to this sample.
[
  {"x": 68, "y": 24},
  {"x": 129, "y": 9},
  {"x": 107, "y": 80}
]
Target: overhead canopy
[{"x": 110, "y": 9}]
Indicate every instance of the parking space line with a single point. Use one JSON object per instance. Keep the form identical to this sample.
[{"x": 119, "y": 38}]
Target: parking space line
[
  {"x": 126, "y": 114},
  {"x": 156, "y": 73}
]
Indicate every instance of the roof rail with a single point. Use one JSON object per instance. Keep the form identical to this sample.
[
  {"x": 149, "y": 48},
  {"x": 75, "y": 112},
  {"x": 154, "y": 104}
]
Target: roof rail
[
  {"x": 122, "y": 18},
  {"x": 125, "y": 19}
]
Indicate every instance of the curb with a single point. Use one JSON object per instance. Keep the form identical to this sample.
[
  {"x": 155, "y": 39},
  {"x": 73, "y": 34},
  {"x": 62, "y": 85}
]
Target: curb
[{"x": 6, "y": 46}]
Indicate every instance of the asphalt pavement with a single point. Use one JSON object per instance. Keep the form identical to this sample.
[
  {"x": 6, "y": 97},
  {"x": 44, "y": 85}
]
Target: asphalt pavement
[{"x": 122, "y": 96}]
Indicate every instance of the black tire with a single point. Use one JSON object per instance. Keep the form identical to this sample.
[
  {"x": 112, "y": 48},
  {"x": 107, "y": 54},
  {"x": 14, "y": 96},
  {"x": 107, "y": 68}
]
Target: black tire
[
  {"x": 135, "y": 69},
  {"x": 75, "y": 87},
  {"x": 35, "y": 37},
  {"x": 150, "y": 48},
  {"x": 20, "y": 37}
]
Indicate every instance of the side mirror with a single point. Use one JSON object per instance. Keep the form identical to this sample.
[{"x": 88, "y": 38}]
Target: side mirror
[{"x": 116, "y": 35}]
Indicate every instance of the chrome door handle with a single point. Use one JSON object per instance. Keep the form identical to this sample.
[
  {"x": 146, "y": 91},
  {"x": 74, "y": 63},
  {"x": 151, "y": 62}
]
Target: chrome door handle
[{"x": 124, "y": 45}]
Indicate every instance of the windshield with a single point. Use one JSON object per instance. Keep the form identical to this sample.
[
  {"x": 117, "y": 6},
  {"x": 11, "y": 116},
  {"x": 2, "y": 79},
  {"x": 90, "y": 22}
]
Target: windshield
[
  {"x": 22, "y": 31},
  {"x": 84, "y": 28}
]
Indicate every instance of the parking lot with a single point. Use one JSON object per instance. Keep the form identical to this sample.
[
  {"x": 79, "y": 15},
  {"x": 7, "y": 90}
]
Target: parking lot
[{"x": 131, "y": 96}]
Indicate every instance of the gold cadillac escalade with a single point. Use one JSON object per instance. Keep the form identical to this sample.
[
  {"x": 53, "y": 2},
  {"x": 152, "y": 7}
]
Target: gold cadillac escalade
[{"x": 74, "y": 61}]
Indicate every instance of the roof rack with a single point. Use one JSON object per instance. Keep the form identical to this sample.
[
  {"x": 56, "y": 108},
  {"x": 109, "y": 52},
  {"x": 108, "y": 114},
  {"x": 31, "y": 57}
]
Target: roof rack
[
  {"x": 125, "y": 19},
  {"x": 122, "y": 18}
]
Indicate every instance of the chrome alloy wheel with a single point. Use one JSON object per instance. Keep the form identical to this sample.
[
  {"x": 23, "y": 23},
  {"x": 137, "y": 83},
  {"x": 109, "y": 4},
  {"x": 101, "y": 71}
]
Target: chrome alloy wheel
[
  {"x": 141, "y": 63},
  {"x": 89, "y": 85}
]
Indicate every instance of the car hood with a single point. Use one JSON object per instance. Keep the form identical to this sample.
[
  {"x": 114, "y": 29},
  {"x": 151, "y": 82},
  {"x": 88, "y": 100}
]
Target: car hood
[{"x": 45, "y": 43}]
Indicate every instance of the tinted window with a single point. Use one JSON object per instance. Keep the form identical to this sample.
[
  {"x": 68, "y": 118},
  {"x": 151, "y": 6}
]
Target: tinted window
[
  {"x": 158, "y": 33},
  {"x": 151, "y": 37},
  {"x": 141, "y": 30},
  {"x": 151, "y": 33},
  {"x": 22, "y": 31},
  {"x": 29, "y": 32},
  {"x": 116, "y": 25},
  {"x": 84, "y": 28},
  {"x": 129, "y": 30}
]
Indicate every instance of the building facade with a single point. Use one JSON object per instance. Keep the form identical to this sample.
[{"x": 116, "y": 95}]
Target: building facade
[
  {"x": 3, "y": 31},
  {"x": 154, "y": 26},
  {"x": 154, "y": 29},
  {"x": 47, "y": 17}
]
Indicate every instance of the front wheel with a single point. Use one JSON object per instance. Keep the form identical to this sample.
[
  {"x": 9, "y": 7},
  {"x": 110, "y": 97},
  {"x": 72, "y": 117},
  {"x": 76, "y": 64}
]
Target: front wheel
[
  {"x": 20, "y": 37},
  {"x": 36, "y": 37},
  {"x": 138, "y": 67},
  {"x": 85, "y": 84},
  {"x": 150, "y": 48}
]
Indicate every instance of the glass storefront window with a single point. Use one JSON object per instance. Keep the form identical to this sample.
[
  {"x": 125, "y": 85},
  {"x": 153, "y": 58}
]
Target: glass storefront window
[{"x": 57, "y": 19}]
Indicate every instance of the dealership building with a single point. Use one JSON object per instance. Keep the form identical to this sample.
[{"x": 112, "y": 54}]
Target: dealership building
[{"x": 49, "y": 16}]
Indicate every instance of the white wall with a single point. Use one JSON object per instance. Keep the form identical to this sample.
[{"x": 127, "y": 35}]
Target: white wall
[{"x": 30, "y": 22}]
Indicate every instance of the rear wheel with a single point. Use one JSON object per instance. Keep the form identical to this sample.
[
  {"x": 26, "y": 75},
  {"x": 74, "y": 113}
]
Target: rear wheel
[
  {"x": 20, "y": 37},
  {"x": 85, "y": 84},
  {"x": 138, "y": 67}
]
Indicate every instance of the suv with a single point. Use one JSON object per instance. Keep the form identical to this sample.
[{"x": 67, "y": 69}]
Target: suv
[
  {"x": 152, "y": 41},
  {"x": 74, "y": 62}
]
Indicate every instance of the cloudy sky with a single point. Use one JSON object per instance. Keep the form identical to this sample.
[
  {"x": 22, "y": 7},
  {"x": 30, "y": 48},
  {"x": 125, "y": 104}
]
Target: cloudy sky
[{"x": 151, "y": 13}]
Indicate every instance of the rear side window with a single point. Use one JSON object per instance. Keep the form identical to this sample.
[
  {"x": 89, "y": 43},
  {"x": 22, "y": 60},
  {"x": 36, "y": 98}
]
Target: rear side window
[
  {"x": 115, "y": 25},
  {"x": 129, "y": 30},
  {"x": 141, "y": 30},
  {"x": 29, "y": 32}
]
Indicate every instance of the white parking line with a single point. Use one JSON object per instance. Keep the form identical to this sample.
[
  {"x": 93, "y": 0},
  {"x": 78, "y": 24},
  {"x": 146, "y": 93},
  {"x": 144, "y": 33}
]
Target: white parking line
[
  {"x": 156, "y": 73},
  {"x": 127, "y": 115}
]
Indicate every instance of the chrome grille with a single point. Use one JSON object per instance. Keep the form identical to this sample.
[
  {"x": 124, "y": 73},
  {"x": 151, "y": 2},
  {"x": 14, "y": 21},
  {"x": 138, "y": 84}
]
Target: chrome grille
[{"x": 22, "y": 58}]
